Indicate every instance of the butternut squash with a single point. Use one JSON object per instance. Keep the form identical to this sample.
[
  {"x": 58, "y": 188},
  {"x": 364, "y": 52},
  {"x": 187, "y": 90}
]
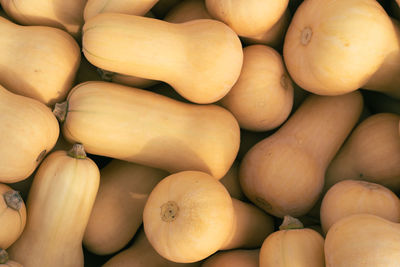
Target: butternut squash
[
  {"x": 44, "y": 67},
  {"x": 28, "y": 132},
  {"x": 65, "y": 15},
  {"x": 188, "y": 10},
  {"x": 238, "y": 257},
  {"x": 231, "y": 182},
  {"x": 140, "y": 126},
  {"x": 350, "y": 197},
  {"x": 247, "y": 18},
  {"x": 363, "y": 240},
  {"x": 5, "y": 262},
  {"x": 117, "y": 211},
  {"x": 262, "y": 98},
  {"x": 188, "y": 216},
  {"x": 12, "y": 216},
  {"x": 200, "y": 59},
  {"x": 293, "y": 245},
  {"x": 59, "y": 206},
  {"x": 284, "y": 173},
  {"x": 371, "y": 153},
  {"x": 137, "y": 7},
  {"x": 142, "y": 254},
  {"x": 334, "y": 47}
]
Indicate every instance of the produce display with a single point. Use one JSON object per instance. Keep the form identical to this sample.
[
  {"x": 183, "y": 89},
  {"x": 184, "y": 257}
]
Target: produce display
[{"x": 200, "y": 133}]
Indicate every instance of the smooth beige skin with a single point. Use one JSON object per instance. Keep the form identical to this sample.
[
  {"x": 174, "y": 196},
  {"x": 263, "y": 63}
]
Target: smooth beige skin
[
  {"x": 231, "y": 182},
  {"x": 59, "y": 205},
  {"x": 363, "y": 240},
  {"x": 136, "y": 7},
  {"x": 333, "y": 47},
  {"x": 200, "y": 59},
  {"x": 284, "y": 173},
  {"x": 262, "y": 98},
  {"x": 251, "y": 226},
  {"x": 371, "y": 153},
  {"x": 188, "y": 10},
  {"x": 28, "y": 132},
  {"x": 353, "y": 197},
  {"x": 203, "y": 216},
  {"x": 143, "y": 127},
  {"x": 294, "y": 247},
  {"x": 65, "y": 15},
  {"x": 44, "y": 67},
  {"x": 142, "y": 254},
  {"x": 239, "y": 257},
  {"x": 117, "y": 212},
  {"x": 12, "y": 221},
  {"x": 247, "y": 18}
]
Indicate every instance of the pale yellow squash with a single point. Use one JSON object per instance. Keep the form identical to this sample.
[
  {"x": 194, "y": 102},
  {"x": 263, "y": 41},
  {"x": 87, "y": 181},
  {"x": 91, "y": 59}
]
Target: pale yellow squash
[
  {"x": 28, "y": 131},
  {"x": 200, "y": 59},
  {"x": 238, "y": 257},
  {"x": 143, "y": 127}
]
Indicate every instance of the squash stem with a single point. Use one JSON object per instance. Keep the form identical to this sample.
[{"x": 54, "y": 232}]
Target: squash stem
[
  {"x": 3, "y": 256},
  {"x": 13, "y": 199},
  {"x": 291, "y": 223},
  {"x": 60, "y": 111},
  {"x": 77, "y": 151}
]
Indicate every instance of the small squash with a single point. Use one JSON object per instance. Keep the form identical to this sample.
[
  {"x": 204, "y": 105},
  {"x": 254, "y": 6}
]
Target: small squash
[
  {"x": 5, "y": 262},
  {"x": 293, "y": 245},
  {"x": 350, "y": 197},
  {"x": 117, "y": 211},
  {"x": 238, "y": 257},
  {"x": 188, "y": 10},
  {"x": 363, "y": 240},
  {"x": 28, "y": 131},
  {"x": 12, "y": 216},
  {"x": 200, "y": 59},
  {"x": 59, "y": 205},
  {"x": 262, "y": 98},
  {"x": 371, "y": 153},
  {"x": 284, "y": 173},
  {"x": 140, "y": 126},
  {"x": 333, "y": 47},
  {"x": 247, "y": 18}
]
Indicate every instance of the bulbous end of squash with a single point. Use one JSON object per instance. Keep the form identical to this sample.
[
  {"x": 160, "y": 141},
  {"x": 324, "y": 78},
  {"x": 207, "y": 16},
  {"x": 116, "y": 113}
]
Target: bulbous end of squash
[
  {"x": 13, "y": 200},
  {"x": 291, "y": 223},
  {"x": 60, "y": 111},
  {"x": 77, "y": 151},
  {"x": 3, "y": 256}
]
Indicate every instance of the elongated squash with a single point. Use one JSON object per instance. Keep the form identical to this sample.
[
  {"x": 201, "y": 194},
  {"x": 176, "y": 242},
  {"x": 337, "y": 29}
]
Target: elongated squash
[
  {"x": 371, "y": 153},
  {"x": 238, "y": 257},
  {"x": 350, "y": 197},
  {"x": 139, "y": 126},
  {"x": 59, "y": 206},
  {"x": 44, "y": 67},
  {"x": 200, "y": 59},
  {"x": 284, "y": 173},
  {"x": 117, "y": 211},
  {"x": 28, "y": 131},
  {"x": 12, "y": 216}
]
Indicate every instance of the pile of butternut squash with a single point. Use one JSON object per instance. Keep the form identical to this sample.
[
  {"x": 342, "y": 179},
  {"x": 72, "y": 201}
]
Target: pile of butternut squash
[{"x": 200, "y": 133}]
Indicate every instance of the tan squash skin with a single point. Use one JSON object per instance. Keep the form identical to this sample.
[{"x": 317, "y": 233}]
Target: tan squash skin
[
  {"x": 117, "y": 212},
  {"x": 333, "y": 47},
  {"x": 262, "y": 98},
  {"x": 59, "y": 206},
  {"x": 251, "y": 226},
  {"x": 188, "y": 216},
  {"x": 371, "y": 153},
  {"x": 65, "y": 15},
  {"x": 173, "y": 136},
  {"x": 142, "y": 254},
  {"x": 353, "y": 197},
  {"x": 44, "y": 67},
  {"x": 247, "y": 18},
  {"x": 363, "y": 240},
  {"x": 188, "y": 10},
  {"x": 239, "y": 257},
  {"x": 200, "y": 59},
  {"x": 12, "y": 216},
  {"x": 300, "y": 247},
  {"x": 284, "y": 173},
  {"x": 137, "y": 7},
  {"x": 28, "y": 132},
  {"x": 231, "y": 182}
]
